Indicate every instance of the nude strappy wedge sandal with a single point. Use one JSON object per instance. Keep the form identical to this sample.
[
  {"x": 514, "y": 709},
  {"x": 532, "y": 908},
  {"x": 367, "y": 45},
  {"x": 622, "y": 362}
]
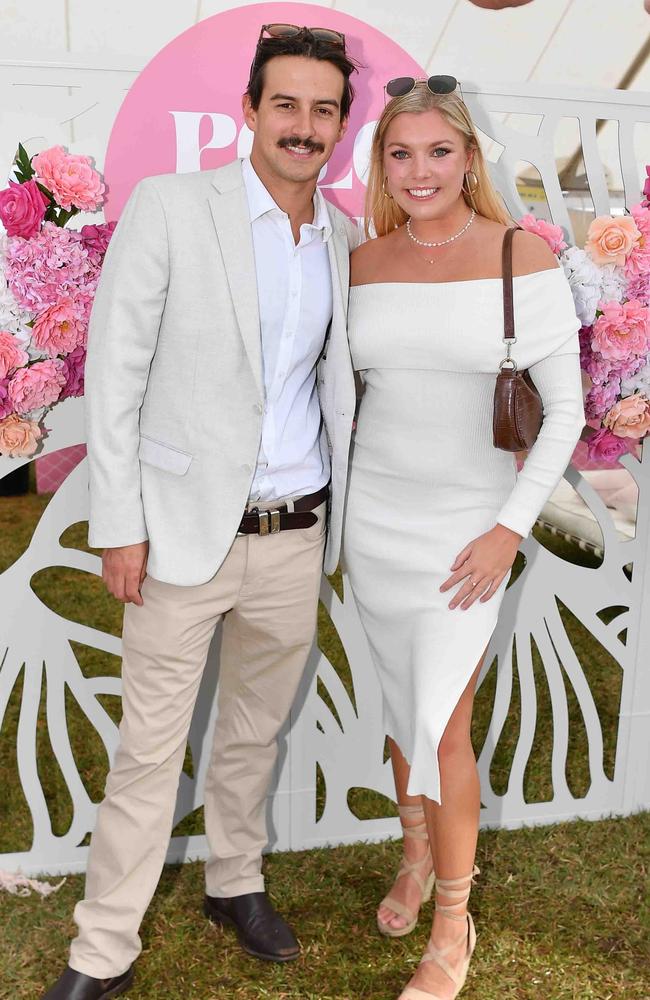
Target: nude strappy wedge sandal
[
  {"x": 414, "y": 870},
  {"x": 449, "y": 887}
]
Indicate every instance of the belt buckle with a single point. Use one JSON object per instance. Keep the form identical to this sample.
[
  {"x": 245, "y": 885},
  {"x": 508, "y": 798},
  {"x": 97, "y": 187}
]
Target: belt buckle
[{"x": 269, "y": 521}]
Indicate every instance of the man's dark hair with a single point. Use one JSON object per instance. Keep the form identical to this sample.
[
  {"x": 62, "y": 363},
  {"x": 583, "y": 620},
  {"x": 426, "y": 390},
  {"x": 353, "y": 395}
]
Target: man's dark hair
[{"x": 303, "y": 44}]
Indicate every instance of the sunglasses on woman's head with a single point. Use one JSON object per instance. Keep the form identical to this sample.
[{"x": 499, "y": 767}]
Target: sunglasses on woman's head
[
  {"x": 327, "y": 35},
  {"x": 403, "y": 85}
]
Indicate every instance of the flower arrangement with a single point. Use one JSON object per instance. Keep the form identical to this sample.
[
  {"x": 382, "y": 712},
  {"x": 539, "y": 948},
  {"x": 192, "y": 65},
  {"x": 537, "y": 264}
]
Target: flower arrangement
[
  {"x": 48, "y": 278},
  {"x": 610, "y": 281}
]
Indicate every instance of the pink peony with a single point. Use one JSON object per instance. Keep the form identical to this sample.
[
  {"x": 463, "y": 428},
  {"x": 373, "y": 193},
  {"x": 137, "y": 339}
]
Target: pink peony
[
  {"x": 59, "y": 329},
  {"x": 74, "y": 373},
  {"x": 71, "y": 179},
  {"x": 36, "y": 386},
  {"x": 96, "y": 239},
  {"x": 6, "y": 406},
  {"x": 553, "y": 235},
  {"x": 638, "y": 263},
  {"x": 611, "y": 240},
  {"x": 605, "y": 447},
  {"x": 19, "y": 438},
  {"x": 12, "y": 355},
  {"x": 22, "y": 208},
  {"x": 630, "y": 417},
  {"x": 623, "y": 330},
  {"x": 51, "y": 266}
]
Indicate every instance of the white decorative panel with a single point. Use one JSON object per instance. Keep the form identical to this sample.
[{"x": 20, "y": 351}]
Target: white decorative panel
[{"x": 346, "y": 739}]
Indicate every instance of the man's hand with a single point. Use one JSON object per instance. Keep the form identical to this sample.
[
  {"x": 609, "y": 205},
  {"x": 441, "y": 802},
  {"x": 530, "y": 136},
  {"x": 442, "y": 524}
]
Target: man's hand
[{"x": 124, "y": 569}]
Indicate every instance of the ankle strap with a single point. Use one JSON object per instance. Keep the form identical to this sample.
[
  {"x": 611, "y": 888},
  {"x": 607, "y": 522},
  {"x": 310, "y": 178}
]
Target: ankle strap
[
  {"x": 448, "y": 887},
  {"x": 416, "y": 831}
]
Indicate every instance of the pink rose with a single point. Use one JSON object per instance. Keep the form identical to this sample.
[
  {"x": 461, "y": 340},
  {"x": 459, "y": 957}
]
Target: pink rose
[
  {"x": 73, "y": 370},
  {"x": 6, "y": 406},
  {"x": 551, "y": 234},
  {"x": 59, "y": 329},
  {"x": 71, "y": 179},
  {"x": 604, "y": 447},
  {"x": 630, "y": 417},
  {"x": 12, "y": 355},
  {"x": 96, "y": 239},
  {"x": 36, "y": 386},
  {"x": 19, "y": 438},
  {"x": 646, "y": 188},
  {"x": 623, "y": 330},
  {"x": 22, "y": 208},
  {"x": 611, "y": 240}
]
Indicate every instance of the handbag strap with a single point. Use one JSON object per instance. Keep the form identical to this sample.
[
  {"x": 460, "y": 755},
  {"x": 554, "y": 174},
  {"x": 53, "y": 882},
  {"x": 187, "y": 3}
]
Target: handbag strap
[{"x": 508, "y": 298}]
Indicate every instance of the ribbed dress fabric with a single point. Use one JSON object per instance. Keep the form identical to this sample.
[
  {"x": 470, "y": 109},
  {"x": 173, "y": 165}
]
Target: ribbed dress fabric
[{"x": 425, "y": 478}]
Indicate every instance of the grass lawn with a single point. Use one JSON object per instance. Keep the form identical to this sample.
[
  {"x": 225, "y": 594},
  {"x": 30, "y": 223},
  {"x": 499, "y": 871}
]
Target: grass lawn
[{"x": 561, "y": 912}]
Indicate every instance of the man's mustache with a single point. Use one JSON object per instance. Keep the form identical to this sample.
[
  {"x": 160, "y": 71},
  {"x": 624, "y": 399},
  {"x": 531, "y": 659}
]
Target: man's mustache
[{"x": 294, "y": 140}]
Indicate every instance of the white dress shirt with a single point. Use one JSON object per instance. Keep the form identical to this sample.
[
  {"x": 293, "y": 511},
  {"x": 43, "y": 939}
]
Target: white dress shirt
[{"x": 294, "y": 286}]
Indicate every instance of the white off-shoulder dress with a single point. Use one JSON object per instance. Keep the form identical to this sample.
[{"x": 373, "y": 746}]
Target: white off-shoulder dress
[{"x": 426, "y": 479}]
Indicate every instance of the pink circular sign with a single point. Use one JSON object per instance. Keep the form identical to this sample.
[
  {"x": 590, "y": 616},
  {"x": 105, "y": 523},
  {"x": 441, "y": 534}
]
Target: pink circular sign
[{"x": 183, "y": 112}]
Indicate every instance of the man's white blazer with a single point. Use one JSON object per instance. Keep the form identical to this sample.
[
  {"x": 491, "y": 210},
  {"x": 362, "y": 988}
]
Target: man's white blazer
[{"x": 174, "y": 388}]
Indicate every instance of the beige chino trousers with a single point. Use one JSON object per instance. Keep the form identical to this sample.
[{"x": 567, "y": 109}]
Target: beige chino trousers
[{"x": 266, "y": 592}]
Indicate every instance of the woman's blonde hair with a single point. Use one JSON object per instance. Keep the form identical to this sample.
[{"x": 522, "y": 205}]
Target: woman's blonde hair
[{"x": 381, "y": 210}]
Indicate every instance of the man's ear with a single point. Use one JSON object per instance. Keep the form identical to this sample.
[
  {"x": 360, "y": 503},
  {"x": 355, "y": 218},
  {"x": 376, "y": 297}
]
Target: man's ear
[
  {"x": 343, "y": 127},
  {"x": 250, "y": 116}
]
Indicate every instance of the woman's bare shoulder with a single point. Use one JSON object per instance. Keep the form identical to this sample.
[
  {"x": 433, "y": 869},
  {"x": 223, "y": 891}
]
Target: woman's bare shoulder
[
  {"x": 369, "y": 259},
  {"x": 530, "y": 253}
]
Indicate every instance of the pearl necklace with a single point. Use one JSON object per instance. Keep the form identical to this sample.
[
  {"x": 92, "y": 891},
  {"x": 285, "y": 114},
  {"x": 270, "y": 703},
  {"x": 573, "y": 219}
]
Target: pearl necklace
[{"x": 441, "y": 243}]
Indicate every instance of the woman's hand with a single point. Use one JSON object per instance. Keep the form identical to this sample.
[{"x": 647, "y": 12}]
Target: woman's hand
[{"x": 483, "y": 565}]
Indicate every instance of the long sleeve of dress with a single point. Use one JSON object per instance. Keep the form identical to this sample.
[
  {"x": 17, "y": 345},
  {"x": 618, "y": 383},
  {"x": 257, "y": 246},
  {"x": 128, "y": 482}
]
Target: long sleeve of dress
[{"x": 558, "y": 381}]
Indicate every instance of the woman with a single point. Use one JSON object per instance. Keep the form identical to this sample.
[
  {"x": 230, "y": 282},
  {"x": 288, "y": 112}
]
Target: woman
[{"x": 435, "y": 512}]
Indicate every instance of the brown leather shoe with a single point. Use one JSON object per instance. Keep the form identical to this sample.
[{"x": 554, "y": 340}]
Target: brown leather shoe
[
  {"x": 74, "y": 985},
  {"x": 262, "y": 932}
]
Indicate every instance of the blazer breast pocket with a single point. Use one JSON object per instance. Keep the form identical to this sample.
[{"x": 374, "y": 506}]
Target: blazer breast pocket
[{"x": 163, "y": 456}]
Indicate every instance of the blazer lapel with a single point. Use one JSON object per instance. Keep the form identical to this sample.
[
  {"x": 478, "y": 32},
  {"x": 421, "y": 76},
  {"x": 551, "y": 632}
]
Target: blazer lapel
[
  {"x": 230, "y": 215},
  {"x": 339, "y": 255}
]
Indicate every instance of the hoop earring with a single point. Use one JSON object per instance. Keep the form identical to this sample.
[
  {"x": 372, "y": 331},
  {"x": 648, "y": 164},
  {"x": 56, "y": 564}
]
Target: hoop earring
[
  {"x": 387, "y": 193},
  {"x": 470, "y": 190}
]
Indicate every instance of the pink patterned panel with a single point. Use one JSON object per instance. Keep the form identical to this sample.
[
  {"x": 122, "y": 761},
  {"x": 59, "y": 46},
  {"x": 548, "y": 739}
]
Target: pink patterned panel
[{"x": 52, "y": 469}]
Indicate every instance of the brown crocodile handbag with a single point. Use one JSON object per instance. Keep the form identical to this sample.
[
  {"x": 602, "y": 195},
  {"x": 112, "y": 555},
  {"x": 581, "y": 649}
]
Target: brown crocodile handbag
[{"x": 518, "y": 410}]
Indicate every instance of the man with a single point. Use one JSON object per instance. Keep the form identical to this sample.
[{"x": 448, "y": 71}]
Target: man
[{"x": 209, "y": 469}]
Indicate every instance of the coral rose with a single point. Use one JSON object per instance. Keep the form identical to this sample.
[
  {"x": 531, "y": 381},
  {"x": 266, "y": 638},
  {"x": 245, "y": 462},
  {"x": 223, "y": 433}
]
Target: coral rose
[
  {"x": 36, "y": 386},
  {"x": 630, "y": 417},
  {"x": 71, "y": 179},
  {"x": 22, "y": 208},
  {"x": 553, "y": 235},
  {"x": 622, "y": 331},
  {"x": 12, "y": 355},
  {"x": 611, "y": 240},
  {"x": 18, "y": 437},
  {"x": 59, "y": 329}
]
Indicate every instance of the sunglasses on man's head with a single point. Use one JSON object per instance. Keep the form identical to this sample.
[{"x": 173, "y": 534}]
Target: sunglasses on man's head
[
  {"x": 327, "y": 35},
  {"x": 403, "y": 85}
]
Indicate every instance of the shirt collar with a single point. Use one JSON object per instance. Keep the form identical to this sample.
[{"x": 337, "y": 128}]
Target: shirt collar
[{"x": 260, "y": 201}]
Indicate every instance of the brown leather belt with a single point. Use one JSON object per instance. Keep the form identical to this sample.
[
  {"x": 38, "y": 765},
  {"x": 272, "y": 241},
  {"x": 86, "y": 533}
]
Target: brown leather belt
[{"x": 270, "y": 522}]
